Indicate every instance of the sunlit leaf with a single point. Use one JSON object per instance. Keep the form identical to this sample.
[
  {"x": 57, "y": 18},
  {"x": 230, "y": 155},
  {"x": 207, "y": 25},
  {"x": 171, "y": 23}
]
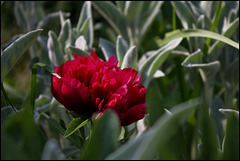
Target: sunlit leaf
[
  {"x": 121, "y": 49},
  {"x": 214, "y": 50},
  {"x": 108, "y": 48},
  {"x": 12, "y": 53},
  {"x": 130, "y": 58},
  {"x": 74, "y": 125},
  {"x": 54, "y": 49},
  {"x": 197, "y": 33},
  {"x": 151, "y": 65},
  {"x": 74, "y": 138},
  {"x": 65, "y": 35}
]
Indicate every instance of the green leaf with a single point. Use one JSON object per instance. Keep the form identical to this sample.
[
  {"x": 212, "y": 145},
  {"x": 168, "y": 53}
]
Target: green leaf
[
  {"x": 50, "y": 20},
  {"x": 228, "y": 112},
  {"x": 5, "y": 97},
  {"x": 52, "y": 151},
  {"x": 121, "y": 49},
  {"x": 85, "y": 23},
  {"x": 153, "y": 10},
  {"x": 20, "y": 15},
  {"x": 74, "y": 138},
  {"x": 130, "y": 59},
  {"x": 185, "y": 15},
  {"x": 146, "y": 146},
  {"x": 214, "y": 50},
  {"x": 34, "y": 83},
  {"x": 12, "y": 53},
  {"x": 21, "y": 134},
  {"x": 121, "y": 5},
  {"x": 8, "y": 148},
  {"x": 151, "y": 65},
  {"x": 74, "y": 125},
  {"x": 208, "y": 72},
  {"x": 208, "y": 136},
  {"x": 231, "y": 81},
  {"x": 71, "y": 50},
  {"x": 231, "y": 142},
  {"x": 84, "y": 28},
  {"x": 108, "y": 48},
  {"x": 218, "y": 118},
  {"x": 194, "y": 59},
  {"x": 70, "y": 151},
  {"x": 113, "y": 16},
  {"x": 65, "y": 35},
  {"x": 213, "y": 27},
  {"x": 104, "y": 137},
  {"x": 54, "y": 49},
  {"x": 6, "y": 112},
  {"x": 84, "y": 15},
  {"x": 153, "y": 100},
  {"x": 197, "y": 33}
]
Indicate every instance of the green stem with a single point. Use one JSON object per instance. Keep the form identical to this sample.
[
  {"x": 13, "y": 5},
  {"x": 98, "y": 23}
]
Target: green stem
[
  {"x": 6, "y": 97},
  {"x": 181, "y": 80},
  {"x": 197, "y": 86},
  {"x": 173, "y": 18},
  {"x": 33, "y": 87},
  {"x": 213, "y": 27}
]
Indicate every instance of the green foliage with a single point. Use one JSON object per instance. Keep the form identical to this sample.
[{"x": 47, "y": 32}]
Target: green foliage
[
  {"x": 185, "y": 51},
  {"x": 102, "y": 142}
]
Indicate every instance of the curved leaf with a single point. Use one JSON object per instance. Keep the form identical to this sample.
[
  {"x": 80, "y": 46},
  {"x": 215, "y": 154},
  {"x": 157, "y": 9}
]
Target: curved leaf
[
  {"x": 108, "y": 48},
  {"x": 113, "y": 15},
  {"x": 54, "y": 49},
  {"x": 151, "y": 65},
  {"x": 72, "y": 50},
  {"x": 74, "y": 125},
  {"x": 85, "y": 23},
  {"x": 130, "y": 59},
  {"x": 13, "y": 52},
  {"x": 197, "y": 33},
  {"x": 121, "y": 49}
]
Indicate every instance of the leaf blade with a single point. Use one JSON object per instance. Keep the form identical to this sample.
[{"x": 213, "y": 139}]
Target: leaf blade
[
  {"x": 13, "y": 52},
  {"x": 74, "y": 125},
  {"x": 198, "y": 33}
]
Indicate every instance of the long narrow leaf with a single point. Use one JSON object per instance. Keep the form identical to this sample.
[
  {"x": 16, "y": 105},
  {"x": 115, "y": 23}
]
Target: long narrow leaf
[
  {"x": 130, "y": 59},
  {"x": 121, "y": 49},
  {"x": 151, "y": 65},
  {"x": 74, "y": 125},
  {"x": 12, "y": 53},
  {"x": 108, "y": 48},
  {"x": 197, "y": 33},
  {"x": 114, "y": 16}
]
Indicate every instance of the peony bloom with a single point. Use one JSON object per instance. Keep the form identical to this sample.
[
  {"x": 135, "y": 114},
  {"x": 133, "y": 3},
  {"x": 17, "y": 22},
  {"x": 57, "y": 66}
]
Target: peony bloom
[{"x": 88, "y": 85}]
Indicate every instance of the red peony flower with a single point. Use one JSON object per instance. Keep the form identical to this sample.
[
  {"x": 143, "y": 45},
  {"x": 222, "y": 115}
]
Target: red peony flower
[{"x": 88, "y": 85}]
